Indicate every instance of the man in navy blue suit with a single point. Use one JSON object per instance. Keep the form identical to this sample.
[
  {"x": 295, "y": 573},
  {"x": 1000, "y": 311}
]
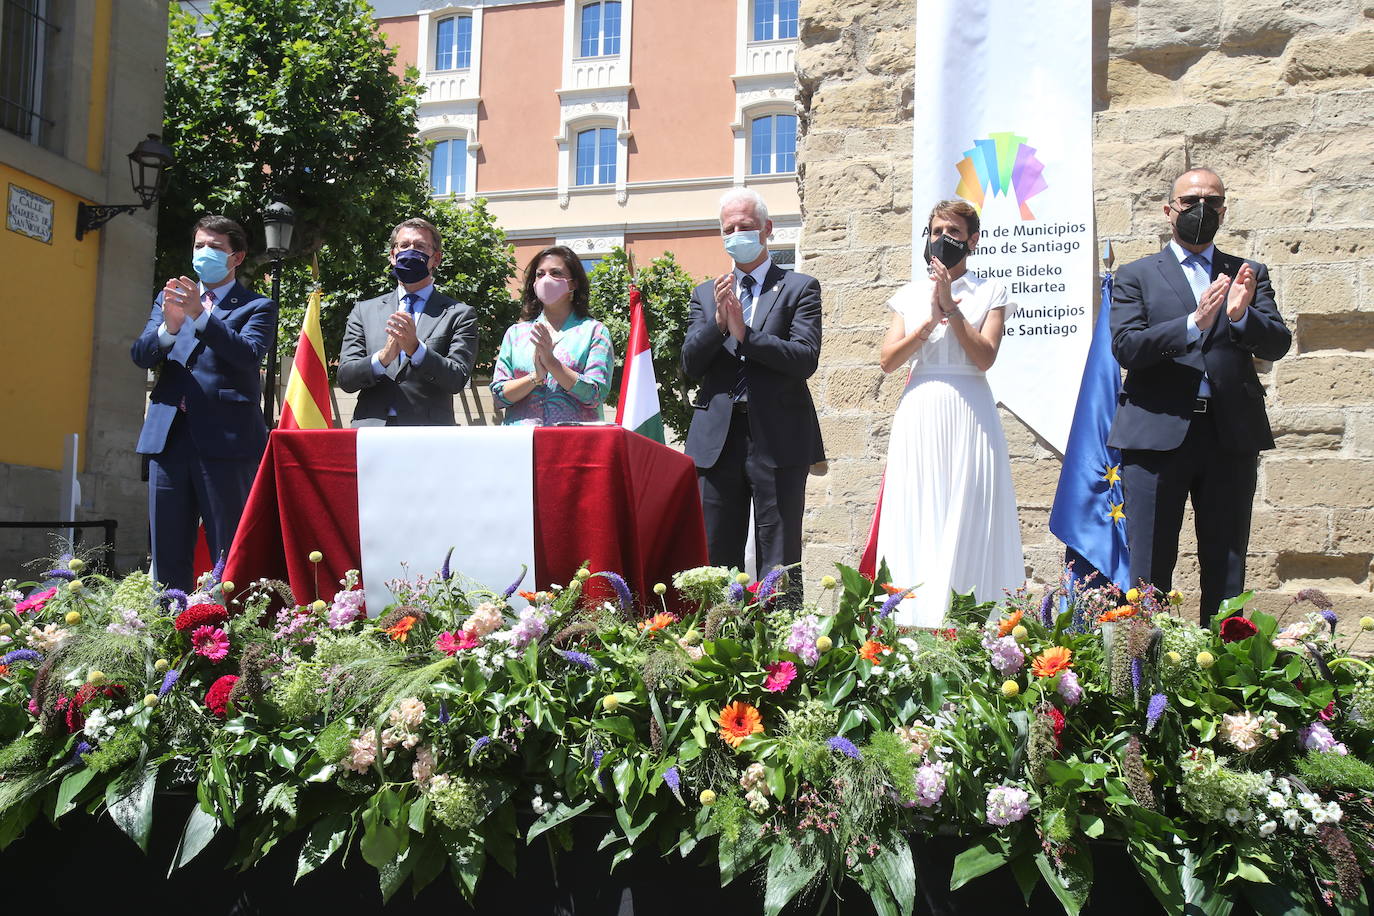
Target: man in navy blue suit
[
  {"x": 753, "y": 339},
  {"x": 1187, "y": 325},
  {"x": 204, "y": 432}
]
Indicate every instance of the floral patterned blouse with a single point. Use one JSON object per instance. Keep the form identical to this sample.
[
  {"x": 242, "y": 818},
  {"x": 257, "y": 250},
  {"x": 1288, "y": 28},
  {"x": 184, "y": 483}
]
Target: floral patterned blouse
[{"x": 583, "y": 345}]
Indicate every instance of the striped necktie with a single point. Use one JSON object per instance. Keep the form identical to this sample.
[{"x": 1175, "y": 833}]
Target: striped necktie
[{"x": 746, "y": 300}]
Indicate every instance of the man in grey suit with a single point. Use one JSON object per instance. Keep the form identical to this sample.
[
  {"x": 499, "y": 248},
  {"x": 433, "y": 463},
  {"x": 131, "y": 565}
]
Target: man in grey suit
[
  {"x": 753, "y": 339},
  {"x": 410, "y": 351}
]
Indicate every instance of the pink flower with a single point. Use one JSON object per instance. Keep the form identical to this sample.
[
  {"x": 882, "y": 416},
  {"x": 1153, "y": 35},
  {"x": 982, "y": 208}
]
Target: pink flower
[
  {"x": 450, "y": 643},
  {"x": 211, "y": 642},
  {"x": 34, "y": 603},
  {"x": 780, "y": 674}
]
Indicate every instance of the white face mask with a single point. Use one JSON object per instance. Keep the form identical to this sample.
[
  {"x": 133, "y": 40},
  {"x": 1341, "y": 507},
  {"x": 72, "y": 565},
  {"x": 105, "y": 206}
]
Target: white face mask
[{"x": 549, "y": 289}]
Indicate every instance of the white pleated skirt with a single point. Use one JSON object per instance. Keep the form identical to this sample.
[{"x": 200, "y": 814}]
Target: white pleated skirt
[{"x": 948, "y": 517}]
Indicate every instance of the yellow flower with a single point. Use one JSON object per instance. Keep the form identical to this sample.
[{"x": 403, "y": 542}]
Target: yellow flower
[
  {"x": 610, "y": 702},
  {"x": 1133, "y": 596},
  {"x": 691, "y": 638},
  {"x": 584, "y": 574},
  {"x": 1019, "y": 633},
  {"x": 161, "y": 665},
  {"x": 708, "y": 798},
  {"x": 1173, "y": 657},
  {"x": 95, "y": 678},
  {"x": 227, "y": 586},
  {"x": 1367, "y": 623},
  {"x": 827, "y": 582},
  {"x": 318, "y": 605},
  {"x": 1010, "y": 689},
  {"x": 75, "y": 585},
  {"x": 316, "y": 556},
  {"x": 150, "y": 700},
  {"x": 1205, "y": 659},
  {"x": 742, "y": 578},
  {"x": 5, "y": 629},
  {"x": 1175, "y": 597},
  {"x": 823, "y": 643},
  {"x": 72, "y": 618},
  {"x": 76, "y": 564},
  {"x": 660, "y": 588}
]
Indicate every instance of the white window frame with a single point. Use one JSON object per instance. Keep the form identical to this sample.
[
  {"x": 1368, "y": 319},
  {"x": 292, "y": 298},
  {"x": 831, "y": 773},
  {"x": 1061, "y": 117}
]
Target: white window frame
[
  {"x": 433, "y": 39},
  {"x": 469, "y": 163},
  {"x": 748, "y": 117},
  {"x": 591, "y": 116},
  {"x": 577, "y": 29}
]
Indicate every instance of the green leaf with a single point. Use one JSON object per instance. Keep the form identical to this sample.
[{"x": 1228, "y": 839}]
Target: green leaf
[
  {"x": 70, "y": 788},
  {"x": 380, "y": 845},
  {"x": 788, "y": 873},
  {"x": 283, "y": 756},
  {"x": 987, "y": 856},
  {"x": 130, "y": 803},
  {"x": 561, "y": 812},
  {"x": 1071, "y": 888},
  {"x": 616, "y": 725},
  {"x": 200, "y": 829},
  {"x": 325, "y": 838},
  {"x": 898, "y": 871},
  {"x": 1162, "y": 877},
  {"x": 1201, "y": 889},
  {"x": 1279, "y": 900}
]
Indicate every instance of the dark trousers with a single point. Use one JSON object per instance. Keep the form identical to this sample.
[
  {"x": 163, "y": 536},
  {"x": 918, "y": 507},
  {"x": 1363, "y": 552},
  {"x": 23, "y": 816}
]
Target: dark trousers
[
  {"x": 185, "y": 488},
  {"x": 1221, "y": 484},
  {"x": 779, "y": 498}
]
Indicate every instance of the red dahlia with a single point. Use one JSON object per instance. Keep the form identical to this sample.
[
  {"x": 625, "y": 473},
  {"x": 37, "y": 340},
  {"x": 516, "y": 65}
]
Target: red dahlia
[
  {"x": 217, "y": 699},
  {"x": 201, "y": 615},
  {"x": 1234, "y": 629}
]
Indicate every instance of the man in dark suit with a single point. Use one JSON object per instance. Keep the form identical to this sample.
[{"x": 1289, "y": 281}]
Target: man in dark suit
[
  {"x": 1187, "y": 325},
  {"x": 204, "y": 432},
  {"x": 753, "y": 339},
  {"x": 410, "y": 351}
]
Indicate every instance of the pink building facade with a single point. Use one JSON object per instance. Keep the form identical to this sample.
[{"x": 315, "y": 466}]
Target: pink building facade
[{"x": 603, "y": 123}]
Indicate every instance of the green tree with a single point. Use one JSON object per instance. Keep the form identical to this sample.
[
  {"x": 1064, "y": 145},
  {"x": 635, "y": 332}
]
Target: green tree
[
  {"x": 298, "y": 101},
  {"x": 666, "y": 292}
]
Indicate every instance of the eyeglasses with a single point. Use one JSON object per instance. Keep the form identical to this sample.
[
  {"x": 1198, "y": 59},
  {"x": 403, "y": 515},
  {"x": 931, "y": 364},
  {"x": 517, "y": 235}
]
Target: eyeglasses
[{"x": 1213, "y": 202}]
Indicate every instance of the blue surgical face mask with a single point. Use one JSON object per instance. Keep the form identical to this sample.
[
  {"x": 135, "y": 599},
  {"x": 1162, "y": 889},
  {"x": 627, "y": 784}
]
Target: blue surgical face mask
[
  {"x": 744, "y": 246},
  {"x": 211, "y": 264}
]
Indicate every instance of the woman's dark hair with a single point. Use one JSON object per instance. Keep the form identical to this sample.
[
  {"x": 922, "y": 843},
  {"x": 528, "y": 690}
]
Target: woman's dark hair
[{"x": 530, "y": 306}]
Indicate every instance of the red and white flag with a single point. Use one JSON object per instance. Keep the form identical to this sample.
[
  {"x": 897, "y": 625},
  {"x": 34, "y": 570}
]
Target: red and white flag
[{"x": 638, "y": 409}]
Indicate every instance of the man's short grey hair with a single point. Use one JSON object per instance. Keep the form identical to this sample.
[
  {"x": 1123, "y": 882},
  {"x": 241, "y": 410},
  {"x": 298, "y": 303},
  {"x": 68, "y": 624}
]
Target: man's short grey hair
[{"x": 735, "y": 195}]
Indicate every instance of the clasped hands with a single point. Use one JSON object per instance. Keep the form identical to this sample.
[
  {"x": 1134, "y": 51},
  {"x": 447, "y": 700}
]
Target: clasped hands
[
  {"x": 943, "y": 305},
  {"x": 400, "y": 337},
  {"x": 544, "y": 358},
  {"x": 729, "y": 311},
  {"x": 180, "y": 301},
  {"x": 1236, "y": 297}
]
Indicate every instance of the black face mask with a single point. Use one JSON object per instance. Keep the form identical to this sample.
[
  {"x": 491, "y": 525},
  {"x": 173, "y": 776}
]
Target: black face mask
[
  {"x": 411, "y": 266},
  {"x": 950, "y": 251},
  {"x": 1198, "y": 224}
]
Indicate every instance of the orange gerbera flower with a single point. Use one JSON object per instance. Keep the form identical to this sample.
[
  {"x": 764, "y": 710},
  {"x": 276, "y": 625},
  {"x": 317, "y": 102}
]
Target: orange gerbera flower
[
  {"x": 1052, "y": 661},
  {"x": 738, "y": 721},
  {"x": 871, "y": 650},
  {"x": 1119, "y": 613},
  {"x": 1006, "y": 626},
  {"x": 4, "y": 670},
  {"x": 894, "y": 589},
  {"x": 657, "y": 622},
  {"x": 400, "y": 630},
  {"x": 531, "y": 597}
]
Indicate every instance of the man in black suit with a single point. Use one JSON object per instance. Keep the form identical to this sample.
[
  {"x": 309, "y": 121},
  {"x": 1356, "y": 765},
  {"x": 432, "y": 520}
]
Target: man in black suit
[
  {"x": 753, "y": 339},
  {"x": 1187, "y": 325},
  {"x": 410, "y": 351},
  {"x": 204, "y": 432}
]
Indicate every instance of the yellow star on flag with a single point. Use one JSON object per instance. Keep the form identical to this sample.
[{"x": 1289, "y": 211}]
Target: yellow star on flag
[
  {"x": 1116, "y": 514},
  {"x": 1113, "y": 475}
]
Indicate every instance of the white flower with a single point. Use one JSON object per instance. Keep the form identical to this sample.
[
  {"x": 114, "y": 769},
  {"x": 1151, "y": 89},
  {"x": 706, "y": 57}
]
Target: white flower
[
  {"x": 1267, "y": 828},
  {"x": 1310, "y": 829},
  {"x": 1291, "y": 818},
  {"x": 1334, "y": 812},
  {"x": 1283, "y": 785},
  {"x": 1309, "y": 801},
  {"x": 1232, "y": 816},
  {"x": 1276, "y": 800},
  {"x": 95, "y": 723}
]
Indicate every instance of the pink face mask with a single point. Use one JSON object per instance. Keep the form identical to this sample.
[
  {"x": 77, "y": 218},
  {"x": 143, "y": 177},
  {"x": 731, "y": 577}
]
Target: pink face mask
[{"x": 549, "y": 288}]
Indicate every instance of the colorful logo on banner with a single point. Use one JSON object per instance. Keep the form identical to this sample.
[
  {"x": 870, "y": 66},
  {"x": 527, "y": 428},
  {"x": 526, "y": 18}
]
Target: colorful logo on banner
[{"x": 1001, "y": 164}]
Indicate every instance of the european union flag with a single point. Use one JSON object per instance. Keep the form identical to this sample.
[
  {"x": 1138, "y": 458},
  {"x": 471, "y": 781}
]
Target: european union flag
[{"x": 1089, "y": 513}]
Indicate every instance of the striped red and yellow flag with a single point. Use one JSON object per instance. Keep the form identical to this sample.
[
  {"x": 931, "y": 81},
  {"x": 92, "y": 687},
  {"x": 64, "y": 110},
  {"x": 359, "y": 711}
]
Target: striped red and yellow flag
[{"x": 307, "y": 393}]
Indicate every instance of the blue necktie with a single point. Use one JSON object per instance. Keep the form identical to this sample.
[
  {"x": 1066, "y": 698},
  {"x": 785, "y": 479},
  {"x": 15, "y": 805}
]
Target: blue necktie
[
  {"x": 746, "y": 301},
  {"x": 1199, "y": 275},
  {"x": 410, "y": 300}
]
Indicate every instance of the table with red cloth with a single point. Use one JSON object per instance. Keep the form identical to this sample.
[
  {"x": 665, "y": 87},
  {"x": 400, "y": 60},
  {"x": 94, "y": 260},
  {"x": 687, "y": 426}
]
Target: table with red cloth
[{"x": 602, "y": 494}]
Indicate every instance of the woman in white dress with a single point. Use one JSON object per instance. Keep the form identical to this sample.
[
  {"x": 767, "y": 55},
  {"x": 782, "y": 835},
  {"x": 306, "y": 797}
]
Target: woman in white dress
[{"x": 948, "y": 516}]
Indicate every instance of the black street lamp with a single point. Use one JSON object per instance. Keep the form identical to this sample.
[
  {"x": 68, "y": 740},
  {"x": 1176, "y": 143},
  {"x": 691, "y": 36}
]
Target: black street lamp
[
  {"x": 278, "y": 220},
  {"x": 148, "y": 165}
]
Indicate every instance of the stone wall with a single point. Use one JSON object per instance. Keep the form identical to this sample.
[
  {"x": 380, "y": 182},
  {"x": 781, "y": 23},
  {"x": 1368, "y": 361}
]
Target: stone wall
[{"x": 1274, "y": 94}]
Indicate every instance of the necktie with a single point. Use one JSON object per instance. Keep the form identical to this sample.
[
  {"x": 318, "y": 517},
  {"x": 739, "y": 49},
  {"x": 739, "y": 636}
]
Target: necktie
[
  {"x": 1199, "y": 275},
  {"x": 746, "y": 300},
  {"x": 410, "y": 300},
  {"x": 207, "y": 299}
]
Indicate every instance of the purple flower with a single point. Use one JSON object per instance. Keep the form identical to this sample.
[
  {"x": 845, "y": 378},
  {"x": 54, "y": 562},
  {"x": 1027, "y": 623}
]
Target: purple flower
[
  {"x": 1331, "y": 619},
  {"x": 168, "y": 682},
  {"x": 510, "y": 589},
  {"x": 443, "y": 712},
  {"x": 1158, "y": 703},
  {"x": 673, "y": 780},
  {"x": 737, "y": 594},
  {"x": 1006, "y": 656},
  {"x": 597, "y": 756},
  {"x": 1137, "y": 673},
  {"x": 445, "y": 572},
  {"x": 1069, "y": 688},
  {"x": 64, "y": 574},
  {"x": 217, "y": 573},
  {"x": 801, "y": 641},
  {"x": 579, "y": 658},
  {"x": 892, "y": 601},
  {"x": 477, "y": 747},
  {"x": 172, "y": 596},
  {"x": 930, "y": 784},
  {"x": 622, "y": 590},
  {"x": 1046, "y": 604},
  {"x": 1007, "y": 805},
  {"x": 844, "y": 746},
  {"x": 82, "y": 748},
  {"x": 768, "y": 588},
  {"x": 21, "y": 655}
]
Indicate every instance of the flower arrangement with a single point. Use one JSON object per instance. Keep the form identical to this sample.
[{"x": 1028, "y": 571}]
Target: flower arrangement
[{"x": 806, "y": 745}]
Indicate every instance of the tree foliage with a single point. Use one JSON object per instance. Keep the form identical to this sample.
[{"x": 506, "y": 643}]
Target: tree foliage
[
  {"x": 666, "y": 292},
  {"x": 298, "y": 101}
]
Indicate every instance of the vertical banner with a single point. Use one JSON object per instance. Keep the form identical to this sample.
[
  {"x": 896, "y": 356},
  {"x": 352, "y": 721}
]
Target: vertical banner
[{"x": 1003, "y": 119}]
